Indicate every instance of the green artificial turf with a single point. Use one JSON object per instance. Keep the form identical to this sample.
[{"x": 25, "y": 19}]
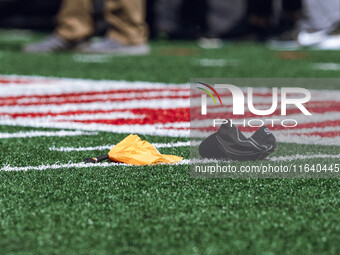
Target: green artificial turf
[
  {"x": 169, "y": 62},
  {"x": 160, "y": 209}
]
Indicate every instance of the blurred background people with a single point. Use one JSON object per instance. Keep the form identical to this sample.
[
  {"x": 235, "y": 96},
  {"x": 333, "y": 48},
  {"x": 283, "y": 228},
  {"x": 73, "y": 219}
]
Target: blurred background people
[
  {"x": 319, "y": 27},
  {"x": 127, "y": 31},
  {"x": 285, "y": 24},
  {"x": 225, "y": 19}
]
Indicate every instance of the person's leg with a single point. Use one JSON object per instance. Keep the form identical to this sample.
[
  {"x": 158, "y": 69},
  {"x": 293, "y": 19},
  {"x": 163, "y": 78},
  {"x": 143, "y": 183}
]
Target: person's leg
[
  {"x": 74, "y": 20},
  {"x": 127, "y": 21},
  {"x": 127, "y": 33},
  {"x": 320, "y": 15},
  {"x": 291, "y": 5},
  {"x": 74, "y": 25}
]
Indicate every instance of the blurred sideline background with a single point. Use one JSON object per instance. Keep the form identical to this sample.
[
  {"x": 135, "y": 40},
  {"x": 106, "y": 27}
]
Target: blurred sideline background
[{"x": 173, "y": 19}]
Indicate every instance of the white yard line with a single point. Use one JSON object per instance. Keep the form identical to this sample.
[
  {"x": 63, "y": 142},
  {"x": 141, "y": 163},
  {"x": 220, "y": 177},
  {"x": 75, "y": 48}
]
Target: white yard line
[
  {"x": 84, "y": 116},
  {"x": 52, "y": 85},
  {"x": 8, "y": 168},
  {"x": 288, "y": 138},
  {"x": 131, "y": 104},
  {"x": 108, "y": 147},
  {"x": 283, "y": 138},
  {"x": 327, "y": 66},
  {"x": 91, "y": 58},
  {"x": 217, "y": 62},
  {"x": 60, "y": 133},
  {"x": 147, "y": 129},
  {"x": 303, "y": 139},
  {"x": 301, "y": 119},
  {"x": 59, "y": 166},
  {"x": 301, "y": 157},
  {"x": 100, "y": 97}
]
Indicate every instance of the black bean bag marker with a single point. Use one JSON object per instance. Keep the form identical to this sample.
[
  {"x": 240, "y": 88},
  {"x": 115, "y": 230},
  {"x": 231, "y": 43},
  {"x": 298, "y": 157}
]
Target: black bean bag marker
[{"x": 229, "y": 143}]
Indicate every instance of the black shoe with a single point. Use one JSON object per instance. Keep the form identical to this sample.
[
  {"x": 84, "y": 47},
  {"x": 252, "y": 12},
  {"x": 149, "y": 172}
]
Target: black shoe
[{"x": 287, "y": 40}]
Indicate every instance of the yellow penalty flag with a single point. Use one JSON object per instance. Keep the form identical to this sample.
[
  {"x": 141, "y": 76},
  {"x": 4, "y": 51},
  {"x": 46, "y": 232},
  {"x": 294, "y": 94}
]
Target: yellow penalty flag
[{"x": 133, "y": 151}]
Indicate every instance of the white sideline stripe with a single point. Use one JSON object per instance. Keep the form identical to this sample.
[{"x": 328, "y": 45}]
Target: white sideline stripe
[
  {"x": 92, "y": 58},
  {"x": 303, "y": 139},
  {"x": 156, "y": 129},
  {"x": 282, "y": 138},
  {"x": 56, "y": 166},
  {"x": 101, "y": 97},
  {"x": 229, "y": 108},
  {"x": 50, "y": 85},
  {"x": 300, "y": 118},
  {"x": 298, "y": 157},
  {"x": 40, "y": 85},
  {"x": 331, "y": 66},
  {"x": 267, "y": 101},
  {"x": 159, "y": 129},
  {"x": 316, "y": 118},
  {"x": 131, "y": 104},
  {"x": 45, "y": 133},
  {"x": 85, "y": 116},
  {"x": 218, "y": 62},
  {"x": 8, "y": 168},
  {"x": 288, "y": 138},
  {"x": 108, "y": 147},
  {"x": 297, "y": 139},
  {"x": 194, "y": 103}
]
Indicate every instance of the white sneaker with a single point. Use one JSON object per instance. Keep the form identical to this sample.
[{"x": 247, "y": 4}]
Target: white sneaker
[
  {"x": 331, "y": 41},
  {"x": 307, "y": 39}
]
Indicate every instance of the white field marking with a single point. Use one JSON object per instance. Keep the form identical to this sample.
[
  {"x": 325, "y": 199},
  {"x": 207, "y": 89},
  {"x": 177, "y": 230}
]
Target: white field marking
[
  {"x": 327, "y": 66},
  {"x": 91, "y": 58},
  {"x": 60, "y": 133},
  {"x": 308, "y": 130},
  {"x": 162, "y": 130},
  {"x": 317, "y": 95},
  {"x": 302, "y": 157},
  {"x": 97, "y": 116},
  {"x": 163, "y": 103},
  {"x": 273, "y": 159},
  {"x": 103, "y": 96},
  {"x": 16, "y": 35},
  {"x": 316, "y": 117},
  {"x": 300, "y": 118},
  {"x": 131, "y": 104},
  {"x": 50, "y": 85},
  {"x": 207, "y": 43},
  {"x": 156, "y": 129},
  {"x": 108, "y": 147},
  {"x": 88, "y": 85},
  {"x": 218, "y": 62},
  {"x": 228, "y": 102},
  {"x": 85, "y": 116},
  {"x": 298, "y": 131},
  {"x": 294, "y": 139},
  {"x": 8, "y": 168},
  {"x": 265, "y": 106},
  {"x": 287, "y": 138},
  {"x": 303, "y": 139},
  {"x": 282, "y": 138}
]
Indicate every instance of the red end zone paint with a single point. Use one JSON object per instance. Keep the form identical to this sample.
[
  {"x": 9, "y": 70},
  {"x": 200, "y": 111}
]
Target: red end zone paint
[
  {"x": 65, "y": 105},
  {"x": 8, "y": 81}
]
